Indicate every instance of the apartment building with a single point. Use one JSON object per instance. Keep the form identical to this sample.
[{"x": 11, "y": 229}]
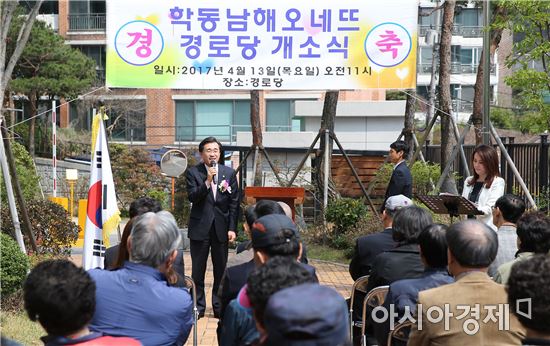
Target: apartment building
[{"x": 467, "y": 44}]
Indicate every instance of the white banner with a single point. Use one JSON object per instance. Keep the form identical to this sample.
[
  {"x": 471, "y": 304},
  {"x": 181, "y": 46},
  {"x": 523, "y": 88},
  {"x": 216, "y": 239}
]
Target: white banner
[{"x": 242, "y": 44}]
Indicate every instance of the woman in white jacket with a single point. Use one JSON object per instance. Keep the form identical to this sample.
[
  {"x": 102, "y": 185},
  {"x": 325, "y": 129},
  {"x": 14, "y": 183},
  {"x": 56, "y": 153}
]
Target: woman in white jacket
[{"x": 485, "y": 186}]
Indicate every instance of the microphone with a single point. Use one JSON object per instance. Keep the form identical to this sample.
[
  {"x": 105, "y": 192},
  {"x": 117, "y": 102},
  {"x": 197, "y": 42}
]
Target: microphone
[{"x": 215, "y": 177}]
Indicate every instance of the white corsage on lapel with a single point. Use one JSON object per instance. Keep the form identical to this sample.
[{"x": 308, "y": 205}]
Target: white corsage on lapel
[{"x": 224, "y": 186}]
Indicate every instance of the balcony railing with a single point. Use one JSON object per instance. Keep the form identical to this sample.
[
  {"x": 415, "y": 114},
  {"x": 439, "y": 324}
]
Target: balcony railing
[
  {"x": 462, "y": 106},
  {"x": 472, "y": 31},
  {"x": 456, "y": 68},
  {"x": 87, "y": 22},
  {"x": 458, "y": 30}
]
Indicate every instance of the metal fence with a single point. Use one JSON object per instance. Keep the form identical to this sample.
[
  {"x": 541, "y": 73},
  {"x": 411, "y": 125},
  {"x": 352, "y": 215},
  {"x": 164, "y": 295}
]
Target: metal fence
[
  {"x": 87, "y": 22},
  {"x": 531, "y": 160}
]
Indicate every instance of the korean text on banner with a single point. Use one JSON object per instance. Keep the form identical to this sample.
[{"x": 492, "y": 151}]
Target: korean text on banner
[{"x": 252, "y": 44}]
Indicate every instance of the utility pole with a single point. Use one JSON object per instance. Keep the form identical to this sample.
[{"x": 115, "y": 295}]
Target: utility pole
[
  {"x": 9, "y": 192},
  {"x": 486, "y": 134}
]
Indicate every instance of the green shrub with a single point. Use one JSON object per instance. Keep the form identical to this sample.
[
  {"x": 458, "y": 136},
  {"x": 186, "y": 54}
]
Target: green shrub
[
  {"x": 26, "y": 173},
  {"x": 135, "y": 175},
  {"x": 422, "y": 174},
  {"x": 13, "y": 266},
  {"x": 533, "y": 122},
  {"x": 53, "y": 229},
  {"x": 345, "y": 213},
  {"x": 503, "y": 118}
]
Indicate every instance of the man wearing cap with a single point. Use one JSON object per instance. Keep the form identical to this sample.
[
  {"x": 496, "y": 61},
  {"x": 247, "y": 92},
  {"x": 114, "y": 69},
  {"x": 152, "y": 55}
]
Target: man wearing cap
[
  {"x": 369, "y": 246},
  {"x": 213, "y": 191},
  {"x": 307, "y": 314},
  {"x": 272, "y": 236}
]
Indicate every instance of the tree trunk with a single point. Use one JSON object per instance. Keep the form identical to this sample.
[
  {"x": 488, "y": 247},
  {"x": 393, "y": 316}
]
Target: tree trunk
[
  {"x": 496, "y": 35},
  {"x": 409, "y": 122},
  {"x": 327, "y": 123},
  {"x": 448, "y": 140},
  {"x": 7, "y": 9},
  {"x": 256, "y": 128},
  {"x": 18, "y": 192},
  {"x": 32, "y": 125}
]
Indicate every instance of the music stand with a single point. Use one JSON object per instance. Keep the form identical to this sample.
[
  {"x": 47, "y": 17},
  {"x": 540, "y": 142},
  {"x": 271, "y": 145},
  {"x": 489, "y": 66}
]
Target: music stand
[{"x": 454, "y": 205}]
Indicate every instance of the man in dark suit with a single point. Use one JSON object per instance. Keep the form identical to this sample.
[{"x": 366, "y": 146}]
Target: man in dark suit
[
  {"x": 401, "y": 179},
  {"x": 213, "y": 191},
  {"x": 369, "y": 246},
  {"x": 403, "y": 294}
]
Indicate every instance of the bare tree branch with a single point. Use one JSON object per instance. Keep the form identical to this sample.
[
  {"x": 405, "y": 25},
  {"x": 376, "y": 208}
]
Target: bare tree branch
[
  {"x": 8, "y": 10},
  {"x": 437, "y": 8}
]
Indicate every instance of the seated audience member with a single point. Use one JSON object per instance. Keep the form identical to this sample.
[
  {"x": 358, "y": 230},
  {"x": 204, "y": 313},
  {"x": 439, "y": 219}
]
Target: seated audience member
[
  {"x": 472, "y": 247},
  {"x": 252, "y": 213},
  {"x": 117, "y": 254},
  {"x": 288, "y": 212},
  {"x": 272, "y": 236},
  {"x": 403, "y": 294},
  {"x": 508, "y": 209},
  {"x": 307, "y": 314},
  {"x": 276, "y": 274},
  {"x": 369, "y": 246},
  {"x": 533, "y": 231},
  {"x": 403, "y": 261},
  {"x": 61, "y": 296},
  {"x": 234, "y": 277},
  {"x": 529, "y": 282},
  {"x": 136, "y": 300}
]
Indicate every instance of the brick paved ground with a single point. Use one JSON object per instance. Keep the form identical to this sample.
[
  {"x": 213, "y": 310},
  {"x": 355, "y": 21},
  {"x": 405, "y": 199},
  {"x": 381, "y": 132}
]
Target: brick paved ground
[{"x": 330, "y": 274}]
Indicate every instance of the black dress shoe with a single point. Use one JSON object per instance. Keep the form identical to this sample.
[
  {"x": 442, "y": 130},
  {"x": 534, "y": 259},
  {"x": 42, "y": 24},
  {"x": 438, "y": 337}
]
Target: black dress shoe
[{"x": 201, "y": 315}]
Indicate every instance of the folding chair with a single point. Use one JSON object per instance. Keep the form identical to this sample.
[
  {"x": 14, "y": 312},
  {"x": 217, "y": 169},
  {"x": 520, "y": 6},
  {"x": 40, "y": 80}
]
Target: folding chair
[
  {"x": 191, "y": 286},
  {"x": 400, "y": 333},
  {"x": 374, "y": 298},
  {"x": 361, "y": 286}
]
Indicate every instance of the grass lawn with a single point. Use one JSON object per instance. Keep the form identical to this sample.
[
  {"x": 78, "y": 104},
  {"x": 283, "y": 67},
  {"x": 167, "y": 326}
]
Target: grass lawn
[
  {"x": 325, "y": 253},
  {"x": 18, "y": 327}
]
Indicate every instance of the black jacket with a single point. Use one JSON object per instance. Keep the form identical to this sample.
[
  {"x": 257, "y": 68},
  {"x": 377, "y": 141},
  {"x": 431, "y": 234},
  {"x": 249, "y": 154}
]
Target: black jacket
[
  {"x": 205, "y": 210},
  {"x": 366, "y": 249},
  {"x": 235, "y": 278},
  {"x": 402, "y": 262},
  {"x": 400, "y": 183}
]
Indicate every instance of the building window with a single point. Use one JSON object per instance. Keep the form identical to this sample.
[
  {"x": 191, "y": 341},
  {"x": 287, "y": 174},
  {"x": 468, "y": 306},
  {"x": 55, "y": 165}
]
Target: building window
[
  {"x": 427, "y": 17},
  {"x": 87, "y": 15},
  {"x": 280, "y": 117},
  {"x": 97, "y": 53},
  {"x": 219, "y": 118},
  {"x": 470, "y": 56},
  {"x": 469, "y": 17}
]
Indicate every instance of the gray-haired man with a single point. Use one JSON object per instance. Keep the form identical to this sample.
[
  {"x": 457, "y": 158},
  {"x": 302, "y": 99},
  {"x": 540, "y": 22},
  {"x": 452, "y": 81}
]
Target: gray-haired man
[{"x": 136, "y": 300}]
